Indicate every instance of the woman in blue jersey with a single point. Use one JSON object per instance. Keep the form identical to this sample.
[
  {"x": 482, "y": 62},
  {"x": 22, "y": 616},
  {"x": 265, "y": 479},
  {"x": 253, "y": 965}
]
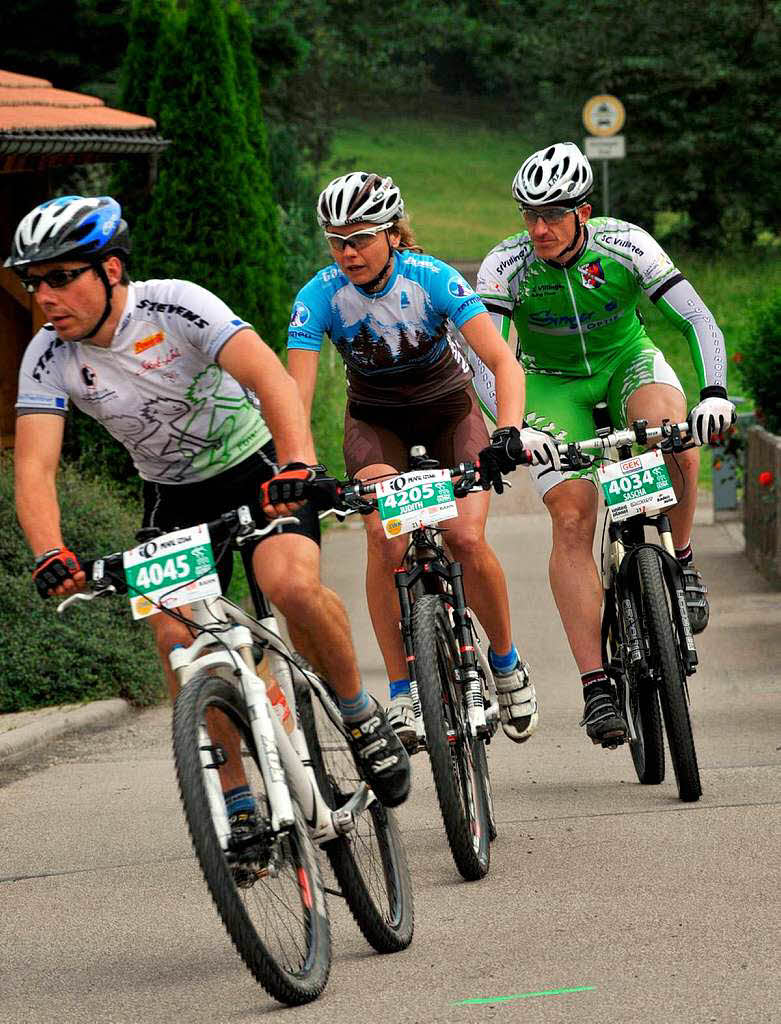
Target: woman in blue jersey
[{"x": 390, "y": 311}]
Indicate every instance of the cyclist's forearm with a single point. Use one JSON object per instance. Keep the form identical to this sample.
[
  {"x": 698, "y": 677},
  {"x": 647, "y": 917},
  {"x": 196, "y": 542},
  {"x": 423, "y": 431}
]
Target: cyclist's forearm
[
  {"x": 284, "y": 413},
  {"x": 38, "y": 511},
  {"x": 682, "y": 306}
]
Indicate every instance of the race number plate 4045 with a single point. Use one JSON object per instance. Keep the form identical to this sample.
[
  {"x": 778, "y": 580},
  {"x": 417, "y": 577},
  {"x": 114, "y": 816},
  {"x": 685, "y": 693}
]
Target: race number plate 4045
[
  {"x": 419, "y": 498},
  {"x": 636, "y": 486},
  {"x": 171, "y": 570}
]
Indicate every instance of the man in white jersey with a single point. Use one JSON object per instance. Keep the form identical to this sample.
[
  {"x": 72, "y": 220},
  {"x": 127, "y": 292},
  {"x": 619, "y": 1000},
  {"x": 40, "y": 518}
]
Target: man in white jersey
[
  {"x": 571, "y": 286},
  {"x": 176, "y": 377}
]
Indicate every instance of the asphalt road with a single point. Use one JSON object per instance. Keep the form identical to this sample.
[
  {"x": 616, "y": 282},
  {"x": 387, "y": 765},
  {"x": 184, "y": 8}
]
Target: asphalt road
[{"x": 644, "y": 909}]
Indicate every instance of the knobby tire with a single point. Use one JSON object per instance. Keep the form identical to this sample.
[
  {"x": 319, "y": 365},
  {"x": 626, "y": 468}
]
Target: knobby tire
[
  {"x": 285, "y": 890},
  {"x": 669, "y": 674},
  {"x": 458, "y": 761},
  {"x": 370, "y": 863}
]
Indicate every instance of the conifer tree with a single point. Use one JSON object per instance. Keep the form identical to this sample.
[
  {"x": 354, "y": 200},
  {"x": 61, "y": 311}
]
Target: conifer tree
[{"x": 212, "y": 218}]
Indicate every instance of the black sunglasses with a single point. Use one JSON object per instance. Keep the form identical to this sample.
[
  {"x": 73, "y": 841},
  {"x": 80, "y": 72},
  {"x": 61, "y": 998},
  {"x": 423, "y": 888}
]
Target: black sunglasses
[{"x": 53, "y": 278}]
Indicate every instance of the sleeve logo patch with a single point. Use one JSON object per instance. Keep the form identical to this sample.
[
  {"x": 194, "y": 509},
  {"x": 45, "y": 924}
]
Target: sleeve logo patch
[
  {"x": 458, "y": 287},
  {"x": 300, "y": 315}
]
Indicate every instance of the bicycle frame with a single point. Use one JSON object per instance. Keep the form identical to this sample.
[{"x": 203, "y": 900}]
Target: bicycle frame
[
  {"x": 224, "y": 647},
  {"x": 284, "y": 759}
]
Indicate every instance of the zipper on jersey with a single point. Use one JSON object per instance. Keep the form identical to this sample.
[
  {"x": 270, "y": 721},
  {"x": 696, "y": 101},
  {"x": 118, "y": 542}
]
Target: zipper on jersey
[{"x": 577, "y": 321}]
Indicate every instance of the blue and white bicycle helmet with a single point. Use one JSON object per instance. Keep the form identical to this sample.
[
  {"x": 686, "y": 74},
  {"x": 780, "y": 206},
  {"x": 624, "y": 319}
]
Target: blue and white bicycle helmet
[{"x": 70, "y": 227}]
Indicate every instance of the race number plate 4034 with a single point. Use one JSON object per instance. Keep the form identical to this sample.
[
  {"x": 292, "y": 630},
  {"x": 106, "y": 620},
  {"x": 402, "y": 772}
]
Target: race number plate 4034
[
  {"x": 419, "y": 498},
  {"x": 171, "y": 570},
  {"x": 636, "y": 486}
]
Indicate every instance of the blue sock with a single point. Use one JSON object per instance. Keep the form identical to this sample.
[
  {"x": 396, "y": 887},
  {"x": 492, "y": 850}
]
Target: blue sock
[
  {"x": 503, "y": 663},
  {"x": 356, "y": 709},
  {"x": 239, "y": 799},
  {"x": 398, "y": 688}
]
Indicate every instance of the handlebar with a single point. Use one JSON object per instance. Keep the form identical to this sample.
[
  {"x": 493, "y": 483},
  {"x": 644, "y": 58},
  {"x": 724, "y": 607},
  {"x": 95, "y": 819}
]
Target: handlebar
[
  {"x": 106, "y": 574},
  {"x": 669, "y": 436}
]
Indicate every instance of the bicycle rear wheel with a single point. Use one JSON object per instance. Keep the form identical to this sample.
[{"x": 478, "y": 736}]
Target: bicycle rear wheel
[
  {"x": 269, "y": 894},
  {"x": 370, "y": 862},
  {"x": 458, "y": 761},
  {"x": 667, "y": 671},
  {"x": 647, "y": 749}
]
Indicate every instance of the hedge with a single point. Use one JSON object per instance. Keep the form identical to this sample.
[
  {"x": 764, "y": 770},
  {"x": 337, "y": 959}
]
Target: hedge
[{"x": 90, "y": 652}]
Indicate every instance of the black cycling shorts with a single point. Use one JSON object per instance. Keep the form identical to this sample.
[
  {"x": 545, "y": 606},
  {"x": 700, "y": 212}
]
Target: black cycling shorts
[{"x": 176, "y": 506}]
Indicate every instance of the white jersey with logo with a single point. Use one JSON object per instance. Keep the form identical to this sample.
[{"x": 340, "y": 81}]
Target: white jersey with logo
[{"x": 158, "y": 388}]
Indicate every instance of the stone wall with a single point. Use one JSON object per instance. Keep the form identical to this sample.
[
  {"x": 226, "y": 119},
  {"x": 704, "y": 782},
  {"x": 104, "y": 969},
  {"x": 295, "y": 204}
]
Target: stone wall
[{"x": 762, "y": 501}]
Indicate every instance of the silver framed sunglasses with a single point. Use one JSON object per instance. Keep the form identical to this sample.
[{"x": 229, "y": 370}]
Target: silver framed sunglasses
[{"x": 357, "y": 239}]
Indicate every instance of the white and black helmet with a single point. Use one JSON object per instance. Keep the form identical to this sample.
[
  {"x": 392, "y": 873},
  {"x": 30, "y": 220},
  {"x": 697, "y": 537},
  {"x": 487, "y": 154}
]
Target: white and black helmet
[
  {"x": 357, "y": 197},
  {"x": 559, "y": 174}
]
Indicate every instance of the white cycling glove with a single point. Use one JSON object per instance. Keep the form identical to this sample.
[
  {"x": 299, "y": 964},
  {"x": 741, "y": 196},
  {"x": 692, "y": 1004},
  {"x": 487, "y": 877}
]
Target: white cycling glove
[
  {"x": 542, "y": 447},
  {"x": 712, "y": 415}
]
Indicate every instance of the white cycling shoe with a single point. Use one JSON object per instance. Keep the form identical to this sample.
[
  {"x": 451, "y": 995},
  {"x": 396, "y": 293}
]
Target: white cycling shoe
[
  {"x": 518, "y": 710},
  {"x": 401, "y": 718}
]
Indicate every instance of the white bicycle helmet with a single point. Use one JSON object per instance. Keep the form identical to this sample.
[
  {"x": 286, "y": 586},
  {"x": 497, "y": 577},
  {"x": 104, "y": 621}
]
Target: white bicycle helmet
[
  {"x": 559, "y": 174},
  {"x": 357, "y": 197}
]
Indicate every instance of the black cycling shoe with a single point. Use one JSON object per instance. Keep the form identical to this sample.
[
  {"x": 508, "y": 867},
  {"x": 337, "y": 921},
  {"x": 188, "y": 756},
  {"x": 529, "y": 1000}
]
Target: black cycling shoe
[
  {"x": 243, "y": 825},
  {"x": 696, "y": 598},
  {"x": 603, "y": 721},
  {"x": 381, "y": 759}
]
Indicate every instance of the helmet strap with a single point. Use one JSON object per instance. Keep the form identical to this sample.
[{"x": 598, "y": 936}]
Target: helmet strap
[
  {"x": 577, "y": 243},
  {"x": 373, "y": 285},
  {"x": 98, "y": 268}
]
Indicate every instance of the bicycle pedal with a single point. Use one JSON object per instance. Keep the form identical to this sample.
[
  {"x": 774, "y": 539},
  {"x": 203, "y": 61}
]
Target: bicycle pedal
[{"x": 612, "y": 742}]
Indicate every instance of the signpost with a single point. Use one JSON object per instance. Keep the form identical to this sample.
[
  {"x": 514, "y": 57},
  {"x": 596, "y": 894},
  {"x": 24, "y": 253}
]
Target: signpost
[{"x": 603, "y": 118}]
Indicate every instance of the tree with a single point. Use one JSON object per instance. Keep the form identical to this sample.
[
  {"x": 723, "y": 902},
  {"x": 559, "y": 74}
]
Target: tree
[{"x": 212, "y": 217}]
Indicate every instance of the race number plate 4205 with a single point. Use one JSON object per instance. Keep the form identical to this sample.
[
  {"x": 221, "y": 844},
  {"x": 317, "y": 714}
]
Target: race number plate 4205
[
  {"x": 171, "y": 570},
  {"x": 419, "y": 498},
  {"x": 636, "y": 486}
]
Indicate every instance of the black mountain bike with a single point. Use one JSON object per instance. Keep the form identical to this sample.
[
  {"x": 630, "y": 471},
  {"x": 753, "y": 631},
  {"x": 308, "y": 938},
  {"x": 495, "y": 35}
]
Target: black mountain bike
[
  {"x": 452, "y": 687},
  {"x": 647, "y": 645}
]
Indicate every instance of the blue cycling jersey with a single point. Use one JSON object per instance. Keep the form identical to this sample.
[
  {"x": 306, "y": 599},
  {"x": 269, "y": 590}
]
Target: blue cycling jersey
[{"x": 398, "y": 344}]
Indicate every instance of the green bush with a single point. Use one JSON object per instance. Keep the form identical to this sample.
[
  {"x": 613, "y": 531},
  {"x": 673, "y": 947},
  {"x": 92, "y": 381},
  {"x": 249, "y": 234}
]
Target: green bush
[
  {"x": 759, "y": 364},
  {"x": 91, "y": 652}
]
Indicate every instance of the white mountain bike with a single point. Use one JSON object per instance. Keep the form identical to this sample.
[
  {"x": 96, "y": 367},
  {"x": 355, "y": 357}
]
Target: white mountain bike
[{"x": 276, "y": 728}]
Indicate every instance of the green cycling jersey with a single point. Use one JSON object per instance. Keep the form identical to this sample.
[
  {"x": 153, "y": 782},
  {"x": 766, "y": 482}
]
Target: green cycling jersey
[{"x": 574, "y": 320}]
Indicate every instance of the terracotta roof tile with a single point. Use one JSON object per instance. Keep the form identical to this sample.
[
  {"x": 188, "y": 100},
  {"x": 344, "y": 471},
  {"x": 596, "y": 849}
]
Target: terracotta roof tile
[
  {"x": 17, "y": 81},
  {"x": 31, "y": 105},
  {"x": 13, "y": 97}
]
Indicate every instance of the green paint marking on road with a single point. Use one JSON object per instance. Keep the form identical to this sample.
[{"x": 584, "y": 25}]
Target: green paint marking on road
[{"x": 526, "y": 995}]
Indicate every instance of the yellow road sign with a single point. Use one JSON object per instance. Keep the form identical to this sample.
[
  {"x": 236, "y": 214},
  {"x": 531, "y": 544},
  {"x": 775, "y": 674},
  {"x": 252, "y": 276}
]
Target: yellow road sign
[{"x": 604, "y": 115}]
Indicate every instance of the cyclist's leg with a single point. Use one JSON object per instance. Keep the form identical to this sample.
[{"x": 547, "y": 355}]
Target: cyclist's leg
[
  {"x": 644, "y": 386},
  {"x": 484, "y": 579},
  {"x": 564, "y": 407},
  {"x": 287, "y": 568},
  {"x": 371, "y": 449}
]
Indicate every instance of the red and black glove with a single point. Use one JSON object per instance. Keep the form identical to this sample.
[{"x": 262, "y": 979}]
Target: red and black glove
[
  {"x": 297, "y": 482},
  {"x": 52, "y": 568},
  {"x": 289, "y": 484}
]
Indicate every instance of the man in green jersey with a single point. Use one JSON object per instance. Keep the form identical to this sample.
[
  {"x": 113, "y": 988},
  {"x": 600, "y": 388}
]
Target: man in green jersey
[{"x": 571, "y": 286}]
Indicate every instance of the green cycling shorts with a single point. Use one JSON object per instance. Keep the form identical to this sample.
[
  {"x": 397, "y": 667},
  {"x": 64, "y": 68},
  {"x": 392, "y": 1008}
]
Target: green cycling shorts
[{"x": 563, "y": 406}]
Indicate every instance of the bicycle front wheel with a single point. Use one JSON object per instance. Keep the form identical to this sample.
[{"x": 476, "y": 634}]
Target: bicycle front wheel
[
  {"x": 269, "y": 893},
  {"x": 458, "y": 761},
  {"x": 647, "y": 748},
  {"x": 369, "y": 862},
  {"x": 669, "y": 675}
]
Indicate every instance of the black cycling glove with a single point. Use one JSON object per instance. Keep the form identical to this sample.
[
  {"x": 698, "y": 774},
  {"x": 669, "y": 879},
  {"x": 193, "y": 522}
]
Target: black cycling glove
[{"x": 503, "y": 454}]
